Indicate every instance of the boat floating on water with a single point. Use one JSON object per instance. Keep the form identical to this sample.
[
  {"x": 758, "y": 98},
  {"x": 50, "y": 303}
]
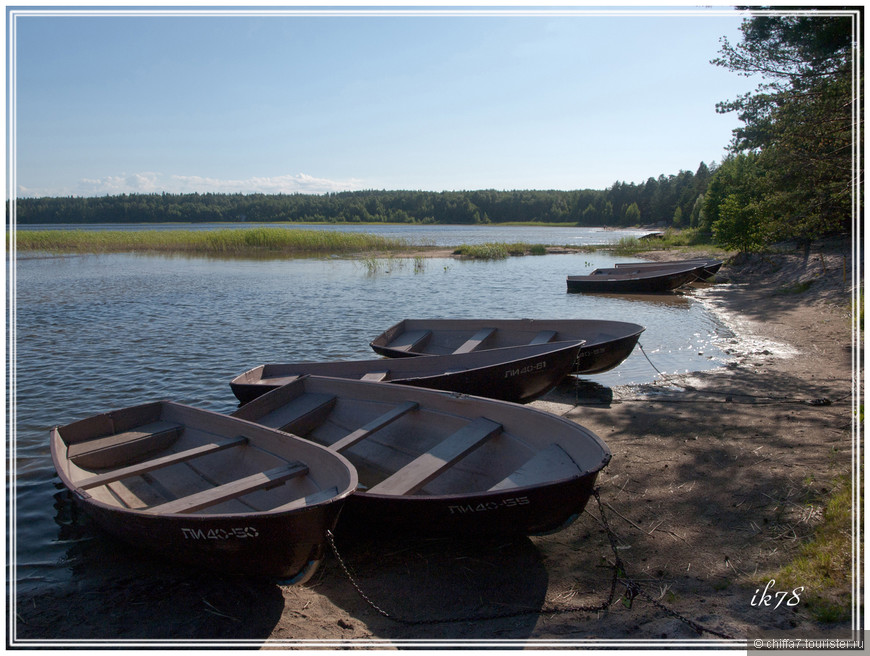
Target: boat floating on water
[
  {"x": 441, "y": 463},
  {"x": 634, "y": 280},
  {"x": 606, "y": 343},
  {"x": 707, "y": 267},
  {"x": 204, "y": 488},
  {"x": 516, "y": 373}
]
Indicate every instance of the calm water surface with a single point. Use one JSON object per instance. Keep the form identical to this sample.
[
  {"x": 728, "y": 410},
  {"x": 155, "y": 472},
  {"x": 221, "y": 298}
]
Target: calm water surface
[{"x": 95, "y": 333}]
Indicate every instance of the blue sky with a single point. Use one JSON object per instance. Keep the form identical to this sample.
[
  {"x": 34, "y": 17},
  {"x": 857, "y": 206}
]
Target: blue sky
[{"x": 285, "y": 102}]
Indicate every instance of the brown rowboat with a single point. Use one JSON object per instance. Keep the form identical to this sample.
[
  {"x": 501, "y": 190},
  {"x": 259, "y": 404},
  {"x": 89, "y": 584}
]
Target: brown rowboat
[
  {"x": 607, "y": 343},
  {"x": 204, "y": 488},
  {"x": 439, "y": 463},
  {"x": 516, "y": 373}
]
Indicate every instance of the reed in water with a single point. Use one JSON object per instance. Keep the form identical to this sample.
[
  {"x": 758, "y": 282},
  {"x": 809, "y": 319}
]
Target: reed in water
[
  {"x": 253, "y": 241},
  {"x": 498, "y": 250}
]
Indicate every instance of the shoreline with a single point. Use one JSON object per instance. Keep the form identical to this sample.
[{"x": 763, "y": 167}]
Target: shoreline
[{"x": 717, "y": 479}]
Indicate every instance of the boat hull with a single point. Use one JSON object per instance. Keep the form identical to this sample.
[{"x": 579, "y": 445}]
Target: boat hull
[
  {"x": 522, "y": 511},
  {"x": 516, "y": 382},
  {"x": 284, "y": 547},
  {"x": 598, "y": 358},
  {"x": 706, "y": 268},
  {"x": 607, "y": 343},
  {"x": 653, "y": 282},
  {"x": 516, "y": 374}
]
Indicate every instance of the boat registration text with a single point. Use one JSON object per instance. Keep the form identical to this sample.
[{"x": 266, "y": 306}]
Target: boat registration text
[
  {"x": 219, "y": 533},
  {"x": 490, "y": 505},
  {"x": 526, "y": 370}
]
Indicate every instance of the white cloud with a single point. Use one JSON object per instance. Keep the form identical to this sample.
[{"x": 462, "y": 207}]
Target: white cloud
[
  {"x": 150, "y": 182},
  {"x": 145, "y": 183},
  {"x": 282, "y": 184}
]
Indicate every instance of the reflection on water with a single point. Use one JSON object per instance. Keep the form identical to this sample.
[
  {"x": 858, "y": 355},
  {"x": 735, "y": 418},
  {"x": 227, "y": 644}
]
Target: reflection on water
[
  {"x": 678, "y": 298},
  {"x": 96, "y": 333}
]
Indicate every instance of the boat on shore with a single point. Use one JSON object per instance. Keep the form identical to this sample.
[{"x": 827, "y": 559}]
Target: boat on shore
[
  {"x": 707, "y": 267},
  {"x": 204, "y": 488},
  {"x": 607, "y": 343},
  {"x": 634, "y": 280},
  {"x": 517, "y": 373},
  {"x": 438, "y": 463}
]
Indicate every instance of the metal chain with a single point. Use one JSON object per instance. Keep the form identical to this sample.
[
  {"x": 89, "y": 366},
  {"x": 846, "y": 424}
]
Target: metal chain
[
  {"x": 632, "y": 590},
  {"x": 661, "y": 373},
  {"x": 617, "y": 569},
  {"x": 699, "y": 628}
]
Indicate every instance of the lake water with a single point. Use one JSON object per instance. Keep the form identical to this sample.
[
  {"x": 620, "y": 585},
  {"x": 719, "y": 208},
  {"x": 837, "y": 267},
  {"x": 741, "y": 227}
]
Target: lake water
[{"x": 100, "y": 332}]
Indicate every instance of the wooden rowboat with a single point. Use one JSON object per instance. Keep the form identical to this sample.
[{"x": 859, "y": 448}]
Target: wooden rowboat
[
  {"x": 637, "y": 280},
  {"x": 707, "y": 268},
  {"x": 438, "y": 463},
  {"x": 607, "y": 343},
  {"x": 517, "y": 373},
  {"x": 204, "y": 488}
]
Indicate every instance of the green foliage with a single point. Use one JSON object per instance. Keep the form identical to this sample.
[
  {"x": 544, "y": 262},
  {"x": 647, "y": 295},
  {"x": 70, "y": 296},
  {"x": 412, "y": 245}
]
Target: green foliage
[
  {"x": 632, "y": 214},
  {"x": 687, "y": 238},
  {"x": 739, "y": 225},
  {"x": 800, "y": 123},
  {"x": 737, "y": 205}
]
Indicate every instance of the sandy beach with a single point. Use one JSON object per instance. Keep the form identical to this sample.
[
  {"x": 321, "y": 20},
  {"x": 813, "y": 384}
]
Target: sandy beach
[{"x": 717, "y": 478}]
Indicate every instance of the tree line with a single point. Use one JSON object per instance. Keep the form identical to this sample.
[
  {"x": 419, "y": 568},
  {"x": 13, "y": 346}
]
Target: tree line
[
  {"x": 665, "y": 200},
  {"x": 794, "y": 166}
]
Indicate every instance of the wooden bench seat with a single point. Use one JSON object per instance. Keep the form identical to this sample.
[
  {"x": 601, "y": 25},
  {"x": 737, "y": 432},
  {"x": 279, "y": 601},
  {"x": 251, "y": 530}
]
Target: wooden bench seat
[
  {"x": 376, "y": 376},
  {"x": 373, "y": 426},
  {"x": 278, "y": 381},
  {"x": 113, "y": 450},
  {"x": 479, "y": 337},
  {"x": 419, "y": 472},
  {"x": 301, "y": 415},
  {"x": 543, "y": 337},
  {"x": 550, "y": 464},
  {"x": 157, "y": 463},
  {"x": 410, "y": 340},
  {"x": 310, "y": 500},
  {"x": 237, "y": 488}
]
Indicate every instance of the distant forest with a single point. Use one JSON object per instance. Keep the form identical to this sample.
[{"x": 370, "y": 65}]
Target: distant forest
[{"x": 674, "y": 200}]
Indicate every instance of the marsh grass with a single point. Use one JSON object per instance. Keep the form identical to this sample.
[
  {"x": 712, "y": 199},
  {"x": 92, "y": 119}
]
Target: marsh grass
[
  {"x": 684, "y": 241},
  {"x": 375, "y": 265},
  {"x": 628, "y": 246},
  {"x": 823, "y": 566},
  {"x": 499, "y": 250},
  {"x": 227, "y": 243}
]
